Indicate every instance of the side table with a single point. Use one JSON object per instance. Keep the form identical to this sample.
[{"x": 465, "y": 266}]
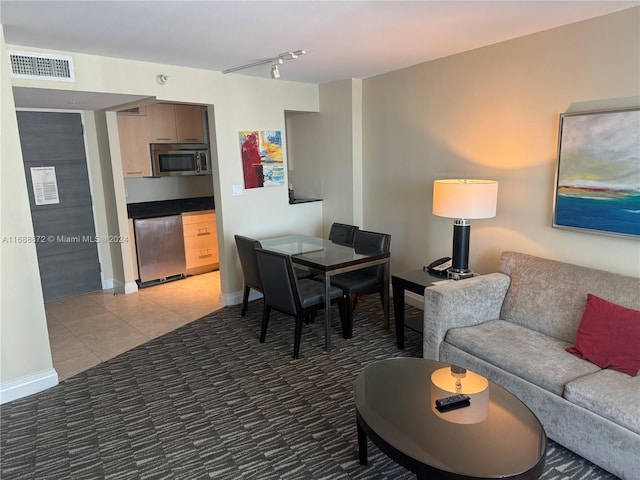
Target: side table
[{"x": 414, "y": 281}]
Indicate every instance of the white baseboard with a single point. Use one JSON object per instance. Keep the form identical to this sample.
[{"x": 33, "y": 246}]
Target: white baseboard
[
  {"x": 235, "y": 298},
  {"x": 22, "y": 387},
  {"x": 414, "y": 300},
  {"x": 130, "y": 287}
]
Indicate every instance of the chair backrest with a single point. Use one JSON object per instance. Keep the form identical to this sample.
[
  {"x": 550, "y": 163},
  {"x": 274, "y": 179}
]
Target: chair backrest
[
  {"x": 372, "y": 242},
  {"x": 342, "y": 233},
  {"x": 279, "y": 279},
  {"x": 249, "y": 262}
]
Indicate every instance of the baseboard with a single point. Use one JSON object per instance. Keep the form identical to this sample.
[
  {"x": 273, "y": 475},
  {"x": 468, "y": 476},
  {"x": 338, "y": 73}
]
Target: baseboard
[
  {"x": 414, "y": 300},
  {"x": 130, "y": 287},
  {"x": 26, "y": 386},
  {"x": 235, "y": 298}
]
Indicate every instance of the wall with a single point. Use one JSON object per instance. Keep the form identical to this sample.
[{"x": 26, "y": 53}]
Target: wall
[
  {"x": 25, "y": 357},
  {"x": 493, "y": 113},
  {"x": 152, "y": 189},
  {"x": 235, "y": 103},
  {"x": 326, "y": 152}
]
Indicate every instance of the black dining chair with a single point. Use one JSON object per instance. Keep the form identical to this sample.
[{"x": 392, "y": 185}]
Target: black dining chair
[
  {"x": 364, "y": 281},
  {"x": 284, "y": 292},
  {"x": 342, "y": 233},
  {"x": 250, "y": 272},
  {"x": 249, "y": 263}
]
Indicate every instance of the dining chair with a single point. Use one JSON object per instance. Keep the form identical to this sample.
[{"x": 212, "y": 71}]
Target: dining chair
[
  {"x": 284, "y": 292},
  {"x": 249, "y": 263},
  {"x": 250, "y": 272},
  {"x": 342, "y": 233},
  {"x": 365, "y": 281}
]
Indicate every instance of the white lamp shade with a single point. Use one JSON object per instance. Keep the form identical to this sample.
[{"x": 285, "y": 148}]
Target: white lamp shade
[{"x": 464, "y": 198}]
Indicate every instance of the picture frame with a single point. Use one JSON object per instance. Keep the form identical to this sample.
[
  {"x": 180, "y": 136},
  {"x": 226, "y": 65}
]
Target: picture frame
[
  {"x": 597, "y": 187},
  {"x": 262, "y": 159}
]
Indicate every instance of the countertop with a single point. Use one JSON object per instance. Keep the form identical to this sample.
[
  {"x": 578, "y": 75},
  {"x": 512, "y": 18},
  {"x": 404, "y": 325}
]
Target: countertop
[
  {"x": 162, "y": 208},
  {"x": 304, "y": 200}
]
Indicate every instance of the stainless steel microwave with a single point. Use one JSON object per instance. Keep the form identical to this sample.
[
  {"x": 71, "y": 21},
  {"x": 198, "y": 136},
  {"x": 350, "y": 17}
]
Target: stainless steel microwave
[{"x": 180, "y": 159}]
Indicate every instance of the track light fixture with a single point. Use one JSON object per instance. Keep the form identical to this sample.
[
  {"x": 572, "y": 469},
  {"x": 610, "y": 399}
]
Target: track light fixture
[{"x": 274, "y": 61}]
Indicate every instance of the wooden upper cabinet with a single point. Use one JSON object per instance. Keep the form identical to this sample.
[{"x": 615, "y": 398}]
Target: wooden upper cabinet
[
  {"x": 162, "y": 118},
  {"x": 176, "y": 123},
  {"x": 133, "y": 131},
  {"x": 189, "y": 125}
]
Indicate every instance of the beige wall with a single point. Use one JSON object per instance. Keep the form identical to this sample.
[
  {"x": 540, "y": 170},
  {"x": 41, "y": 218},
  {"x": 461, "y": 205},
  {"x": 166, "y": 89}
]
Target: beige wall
[
  {"x": 493, "y": 113},
  {"x": 24, "y": 340},
  {"x": 326, "y": 152}
]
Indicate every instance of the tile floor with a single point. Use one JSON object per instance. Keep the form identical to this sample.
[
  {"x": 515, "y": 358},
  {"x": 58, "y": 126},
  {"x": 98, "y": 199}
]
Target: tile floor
[{"x": 88, "y": 329}]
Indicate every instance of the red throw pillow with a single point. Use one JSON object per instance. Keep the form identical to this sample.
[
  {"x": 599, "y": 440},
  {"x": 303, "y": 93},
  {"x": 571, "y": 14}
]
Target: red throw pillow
[{"x": 609, "y": 336}]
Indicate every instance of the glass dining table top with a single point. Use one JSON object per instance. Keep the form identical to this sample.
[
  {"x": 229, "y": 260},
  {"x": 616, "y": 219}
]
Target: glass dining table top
[{"x": 319, "y": 253}]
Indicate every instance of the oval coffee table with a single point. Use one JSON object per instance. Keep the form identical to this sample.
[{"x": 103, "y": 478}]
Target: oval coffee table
[{"x": 393, "y": 408}]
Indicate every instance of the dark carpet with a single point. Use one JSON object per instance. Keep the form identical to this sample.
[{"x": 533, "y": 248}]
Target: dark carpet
[{"x": 209, "y": 401}]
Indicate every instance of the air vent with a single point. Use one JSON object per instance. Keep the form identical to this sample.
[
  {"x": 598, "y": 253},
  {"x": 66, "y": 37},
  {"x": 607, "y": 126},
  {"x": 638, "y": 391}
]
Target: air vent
[{"x": 36, "y": 66}]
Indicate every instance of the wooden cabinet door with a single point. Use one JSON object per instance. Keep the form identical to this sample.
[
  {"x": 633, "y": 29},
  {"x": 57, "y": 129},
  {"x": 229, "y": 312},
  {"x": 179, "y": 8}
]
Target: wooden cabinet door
[
  {"x": 133, "y": 131},
  {"x": 189, "y": 124},
  {"x": 162, "y": 118},
  {"x": 200, "y": 241}
]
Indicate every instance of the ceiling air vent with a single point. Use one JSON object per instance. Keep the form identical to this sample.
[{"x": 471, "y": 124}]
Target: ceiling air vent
[{"x": 37, "y": 66}]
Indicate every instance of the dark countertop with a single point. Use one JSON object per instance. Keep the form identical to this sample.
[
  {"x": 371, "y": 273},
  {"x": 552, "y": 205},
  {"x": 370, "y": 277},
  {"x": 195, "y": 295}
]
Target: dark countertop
[
  {"x": 169, "y": 207},
  {"x": 304, "y": 200}
]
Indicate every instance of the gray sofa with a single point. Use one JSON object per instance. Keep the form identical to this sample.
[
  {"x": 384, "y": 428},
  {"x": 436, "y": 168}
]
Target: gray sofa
[{"x": 513, "y": 326}]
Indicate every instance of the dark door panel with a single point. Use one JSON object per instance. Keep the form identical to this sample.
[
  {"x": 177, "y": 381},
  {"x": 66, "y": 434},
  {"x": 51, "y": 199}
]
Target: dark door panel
[{"x": 66, "y": 247}]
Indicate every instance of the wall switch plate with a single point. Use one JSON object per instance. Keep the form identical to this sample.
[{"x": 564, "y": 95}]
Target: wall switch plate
[{"x": 237, "y": 190}]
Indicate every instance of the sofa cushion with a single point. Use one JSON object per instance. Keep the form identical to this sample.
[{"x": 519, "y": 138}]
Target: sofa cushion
[
  {"x": 608, "y": 393},
  {"x": 609, "y": 336},
  {"x": 550, "y": 296},
  {"x": 532, "y": 356}
]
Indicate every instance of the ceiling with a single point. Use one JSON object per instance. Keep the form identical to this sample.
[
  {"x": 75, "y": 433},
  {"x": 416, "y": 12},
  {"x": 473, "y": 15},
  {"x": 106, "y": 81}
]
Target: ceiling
[{"x": 343, "y": 39}]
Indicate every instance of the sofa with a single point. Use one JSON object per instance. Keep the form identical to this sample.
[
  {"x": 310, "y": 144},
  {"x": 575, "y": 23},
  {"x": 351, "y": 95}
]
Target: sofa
[{"x": 519, "y": 326}]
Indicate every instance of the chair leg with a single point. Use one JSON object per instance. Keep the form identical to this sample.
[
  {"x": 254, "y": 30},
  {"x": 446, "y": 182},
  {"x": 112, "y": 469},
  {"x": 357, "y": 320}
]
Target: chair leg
[
  {"x": 245, "y": 301},
  {"x": 265, "y": 322},
  {"x": 351, "y": 305},
  {"x": 344, "y": 320},
  {"x": 310, "y": 317},
  {"x": 298, "y": 335}
]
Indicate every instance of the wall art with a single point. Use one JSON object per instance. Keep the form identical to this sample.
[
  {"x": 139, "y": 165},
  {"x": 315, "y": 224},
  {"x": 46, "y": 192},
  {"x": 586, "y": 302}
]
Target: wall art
[
  {"x": 598, "y": 175},
  {"x": 262, "y": 163}
]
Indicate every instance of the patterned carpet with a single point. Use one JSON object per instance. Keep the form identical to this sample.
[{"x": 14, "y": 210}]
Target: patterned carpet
[{"x": 209, "y": 401}]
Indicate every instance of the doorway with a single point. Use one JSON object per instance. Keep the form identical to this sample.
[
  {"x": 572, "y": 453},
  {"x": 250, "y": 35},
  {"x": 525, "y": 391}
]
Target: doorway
[{"x": 53, "y": 151}]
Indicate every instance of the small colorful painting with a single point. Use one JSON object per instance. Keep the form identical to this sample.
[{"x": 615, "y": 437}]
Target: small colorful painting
[
  {"x": 262, "y": 163},
  {"x": 598, "y": 178}
]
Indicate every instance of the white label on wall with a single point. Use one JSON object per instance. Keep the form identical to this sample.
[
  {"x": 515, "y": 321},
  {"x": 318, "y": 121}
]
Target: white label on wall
[{"x": 45, "y": 186}]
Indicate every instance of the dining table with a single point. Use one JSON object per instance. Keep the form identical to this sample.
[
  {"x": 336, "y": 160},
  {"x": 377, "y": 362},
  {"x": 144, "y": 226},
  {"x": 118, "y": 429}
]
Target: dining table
[{"x": 326, "y": 258}]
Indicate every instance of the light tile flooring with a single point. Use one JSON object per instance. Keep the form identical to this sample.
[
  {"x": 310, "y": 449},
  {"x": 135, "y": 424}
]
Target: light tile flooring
[{"x": 88, "y": 329}]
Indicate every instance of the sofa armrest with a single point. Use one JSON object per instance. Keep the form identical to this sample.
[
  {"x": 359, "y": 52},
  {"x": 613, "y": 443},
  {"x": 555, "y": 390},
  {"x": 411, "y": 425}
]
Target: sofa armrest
[{"x": 460, "y": 304}]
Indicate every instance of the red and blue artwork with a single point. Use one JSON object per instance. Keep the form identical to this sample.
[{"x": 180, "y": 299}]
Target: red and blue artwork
[{"x": 262, "y": 162}]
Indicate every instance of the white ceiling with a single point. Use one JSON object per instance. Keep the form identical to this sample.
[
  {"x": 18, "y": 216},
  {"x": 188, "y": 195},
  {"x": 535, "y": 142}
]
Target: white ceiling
[{"x": 343, "y": 39}]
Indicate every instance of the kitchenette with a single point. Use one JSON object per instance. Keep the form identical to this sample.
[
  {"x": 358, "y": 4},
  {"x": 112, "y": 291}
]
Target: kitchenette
[{"x": 166, "y": 163}]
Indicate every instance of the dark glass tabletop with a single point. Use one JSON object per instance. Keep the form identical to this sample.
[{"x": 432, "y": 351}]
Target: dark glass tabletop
[
  {"x": 393, "y": 398},
  {"x": 320, "y": 253}
]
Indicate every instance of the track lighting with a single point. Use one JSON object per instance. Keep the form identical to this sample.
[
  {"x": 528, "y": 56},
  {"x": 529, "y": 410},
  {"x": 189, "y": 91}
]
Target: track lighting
[{"x": 274, "y": 61}]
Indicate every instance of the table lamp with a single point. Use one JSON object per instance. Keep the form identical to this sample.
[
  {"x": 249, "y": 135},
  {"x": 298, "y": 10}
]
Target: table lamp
[{"x": 462, "y": 200}]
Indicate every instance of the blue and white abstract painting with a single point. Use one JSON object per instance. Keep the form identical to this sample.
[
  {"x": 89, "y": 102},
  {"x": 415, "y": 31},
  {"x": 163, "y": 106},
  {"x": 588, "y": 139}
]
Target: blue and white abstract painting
[{"x": 598, "y": 186}]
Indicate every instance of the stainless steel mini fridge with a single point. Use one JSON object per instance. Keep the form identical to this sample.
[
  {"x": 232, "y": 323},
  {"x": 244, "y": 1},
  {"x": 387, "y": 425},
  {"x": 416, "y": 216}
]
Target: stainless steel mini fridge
[{"x": 160, "y": 248}]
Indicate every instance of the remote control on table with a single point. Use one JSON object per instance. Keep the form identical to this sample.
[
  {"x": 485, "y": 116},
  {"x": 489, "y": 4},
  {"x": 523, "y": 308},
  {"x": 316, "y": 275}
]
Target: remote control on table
[{"x": 453, "y": 402}]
